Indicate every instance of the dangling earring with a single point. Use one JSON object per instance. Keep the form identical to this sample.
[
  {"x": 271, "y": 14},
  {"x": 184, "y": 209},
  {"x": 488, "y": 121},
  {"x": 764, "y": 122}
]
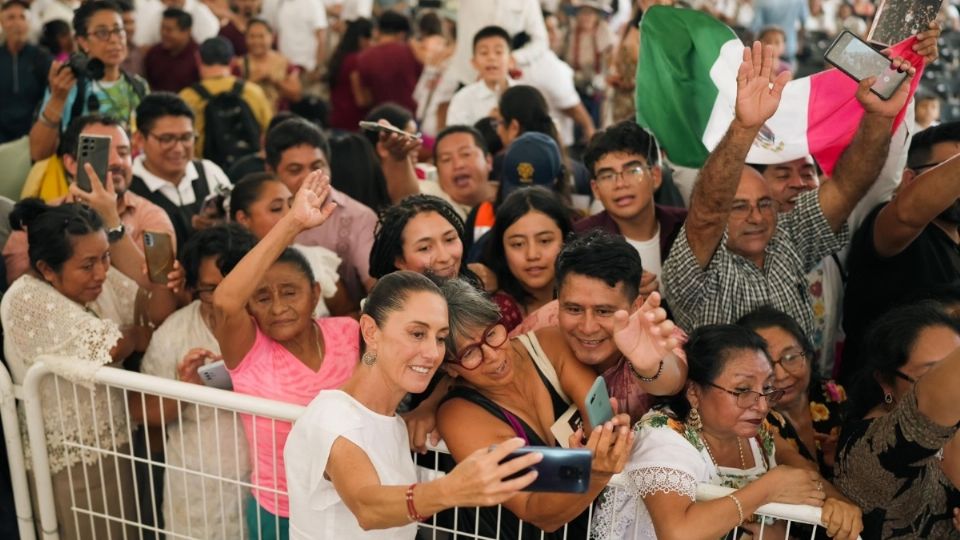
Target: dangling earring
[
  {"x": 693, "y": 419},
  {"x": 369, "y": 358},
  {"x": 888, "y": 398}
]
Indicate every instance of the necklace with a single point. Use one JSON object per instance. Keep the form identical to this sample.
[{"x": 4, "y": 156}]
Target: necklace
[{"x": 743, "y": 462}]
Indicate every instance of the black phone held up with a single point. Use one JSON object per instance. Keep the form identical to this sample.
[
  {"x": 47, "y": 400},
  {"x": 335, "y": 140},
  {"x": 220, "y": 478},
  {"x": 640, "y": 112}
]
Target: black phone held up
[
  {"x": 859, "y": 60},
  {"x": 562, "y": 470},
  {"x": 95, "y": 150}
]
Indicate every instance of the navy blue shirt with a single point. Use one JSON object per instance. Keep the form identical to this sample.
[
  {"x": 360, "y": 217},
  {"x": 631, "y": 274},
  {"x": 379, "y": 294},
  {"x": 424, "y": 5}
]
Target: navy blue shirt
[{"x": 23, "y": 79}]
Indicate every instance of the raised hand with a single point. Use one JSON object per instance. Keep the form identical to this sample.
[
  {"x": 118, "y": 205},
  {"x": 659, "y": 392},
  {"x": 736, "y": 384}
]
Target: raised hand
[
  {"x": 102, "y": 198},
  {"x": 645, "y": 336},
  {"x": 889, "y": 108},
  {"x": 312, "y": 205},
  {"x": 758, "y": 89}
]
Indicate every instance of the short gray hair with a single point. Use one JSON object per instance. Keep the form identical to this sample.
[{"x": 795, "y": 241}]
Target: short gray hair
[{"x": 468, "y": 309}]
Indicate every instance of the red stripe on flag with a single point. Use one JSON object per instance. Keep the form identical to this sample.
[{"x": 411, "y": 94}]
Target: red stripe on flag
[{"x": 834, "y": 113}]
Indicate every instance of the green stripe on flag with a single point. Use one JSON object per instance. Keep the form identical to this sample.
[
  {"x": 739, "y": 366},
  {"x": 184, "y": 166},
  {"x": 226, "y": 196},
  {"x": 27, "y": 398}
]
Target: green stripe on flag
[{"x": 675, "y": 95}]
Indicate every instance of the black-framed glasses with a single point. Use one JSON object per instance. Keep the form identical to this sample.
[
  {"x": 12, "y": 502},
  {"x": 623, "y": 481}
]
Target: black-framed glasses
[
  {"x": 631, "y": 173},
  {"x": 471, "y": 356},
  {"x": 742, "y": 209},
  {"x": 104, "y": 34},
  {"x": 791, "y": 361},
  {"x": 904, "y": 376},
  {"x": 749, "y": 398},
  {"x": 167, "y": 140}
]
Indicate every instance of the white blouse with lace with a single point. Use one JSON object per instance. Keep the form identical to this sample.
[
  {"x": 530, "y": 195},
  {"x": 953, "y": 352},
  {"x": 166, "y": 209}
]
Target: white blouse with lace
[
  {"x": 38, "y": 320},
  {"x": 668, "y": 457}
]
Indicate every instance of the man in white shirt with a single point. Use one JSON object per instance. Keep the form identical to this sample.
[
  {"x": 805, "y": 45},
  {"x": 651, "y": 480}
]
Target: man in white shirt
[
  {"x": 165, "y": 173},
  {"x": 302, "y": 27},
  {"x": 150, "y": 15},
  {"x": 491, "y": 57}
]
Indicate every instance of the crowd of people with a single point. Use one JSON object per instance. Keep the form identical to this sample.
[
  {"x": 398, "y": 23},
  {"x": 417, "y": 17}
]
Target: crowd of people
[{"x": 500, "y": 234}]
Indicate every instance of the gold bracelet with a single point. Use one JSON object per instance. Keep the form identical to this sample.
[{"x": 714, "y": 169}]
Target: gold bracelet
[{"x": 739, "y": 508}]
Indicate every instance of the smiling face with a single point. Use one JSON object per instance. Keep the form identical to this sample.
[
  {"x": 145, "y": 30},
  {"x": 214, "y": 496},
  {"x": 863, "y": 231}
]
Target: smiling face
[
  {"x": 463, "y": 169},
  {"x": 788, "y": 180},
  {"x": 622, "y": 198},
  {"x": 722, "y": 417},
  {"x": 273, "y": 202},
  {"x": 430, "y": 243},
  {"x": 168, "y": 160},
  {"x": 82, "y": 275},
  {"x": 409, "y": 344},
  {"x": 531, "y": 246},
  {"x": 284, "y": 301},
  {"x": 587, "y": 306},
  {"x": 259, "y": 39},
  {"x": 753, "y": 218},
  {"x": 497, "y": 367},
  {"x": 795, "y": 381}
]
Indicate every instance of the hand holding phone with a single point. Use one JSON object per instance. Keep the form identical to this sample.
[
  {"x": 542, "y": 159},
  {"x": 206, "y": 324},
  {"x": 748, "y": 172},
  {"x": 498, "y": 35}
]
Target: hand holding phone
[
  {"x": 597, "y": 403},
  {"x": 562, "y": 470},
  {"x": 380, "y": 128},
  {"x": 158, "y": 250},
  {"x": 215, "y": 375},
  {"x": 95, "y": 150},
  {"x": 860, "y": 61}
]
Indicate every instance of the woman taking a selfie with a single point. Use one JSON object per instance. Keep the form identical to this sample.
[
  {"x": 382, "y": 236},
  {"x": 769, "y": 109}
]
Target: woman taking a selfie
[
  {"x": 350, "y": 470},
  {"x": 520, "y": 387},
  {"x": 274, "y": 348}
]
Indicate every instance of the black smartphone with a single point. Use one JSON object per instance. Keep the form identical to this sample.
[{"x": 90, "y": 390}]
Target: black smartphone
[
  {"x": 95, "y": 150},
  {"x": 562, "y": 470},
  {"x": 859, "y": 60}
]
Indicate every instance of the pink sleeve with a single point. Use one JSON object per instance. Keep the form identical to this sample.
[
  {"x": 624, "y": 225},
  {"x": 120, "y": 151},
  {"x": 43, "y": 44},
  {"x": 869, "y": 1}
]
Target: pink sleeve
[
  {"x": 260, "y": 345},
  {"x": 15, "y": 256}
]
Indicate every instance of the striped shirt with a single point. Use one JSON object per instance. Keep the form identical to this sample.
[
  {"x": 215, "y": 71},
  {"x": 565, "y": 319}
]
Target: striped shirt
[
  {"x": 271, "y": 371},
  {"x": 731, "y": 286}
]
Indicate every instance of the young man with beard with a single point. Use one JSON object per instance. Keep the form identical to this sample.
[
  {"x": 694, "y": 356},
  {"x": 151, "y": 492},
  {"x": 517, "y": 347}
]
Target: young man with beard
[{"x": 910, "y": 246}]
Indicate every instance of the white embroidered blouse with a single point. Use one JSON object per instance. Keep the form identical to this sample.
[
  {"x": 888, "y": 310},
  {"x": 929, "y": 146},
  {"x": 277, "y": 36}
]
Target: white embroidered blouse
[{"x": 38, "y": 320}]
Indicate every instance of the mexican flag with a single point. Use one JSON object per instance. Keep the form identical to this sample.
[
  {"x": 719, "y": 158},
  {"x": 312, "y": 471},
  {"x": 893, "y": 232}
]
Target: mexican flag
[{"x": 687, "y": 88}]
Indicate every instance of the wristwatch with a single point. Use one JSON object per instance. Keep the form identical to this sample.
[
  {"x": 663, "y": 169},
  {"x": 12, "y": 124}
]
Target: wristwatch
[{"x": 116, "y": 233}]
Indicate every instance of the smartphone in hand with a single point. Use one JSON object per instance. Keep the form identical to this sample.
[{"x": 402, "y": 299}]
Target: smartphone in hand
[
  {"x": 158, "y": 250},
  {"x": 597, "y": 404},
  {"x": 380, "y": 128},
  {"x": 215, "y": 375},
  {"x": 95, "y": 150},
  {"x": 562, "y": 470},
  {"x": 859, "y": 60}
]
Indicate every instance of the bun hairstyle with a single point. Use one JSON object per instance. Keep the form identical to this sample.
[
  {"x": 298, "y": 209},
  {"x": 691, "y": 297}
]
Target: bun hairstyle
[{"x": 50, "y": 229}]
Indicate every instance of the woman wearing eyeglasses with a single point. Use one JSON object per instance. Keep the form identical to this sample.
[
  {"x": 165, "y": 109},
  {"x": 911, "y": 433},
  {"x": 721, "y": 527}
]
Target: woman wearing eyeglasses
[
  {"x": 520, "y": 387},
  {"x": 809, "y": 414},
  {"x": 714, "y": 432}
]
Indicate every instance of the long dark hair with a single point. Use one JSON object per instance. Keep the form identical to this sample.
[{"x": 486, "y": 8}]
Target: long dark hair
[
  {"x": 50, "y": 229},
  {"x": 708, "y": 350},
  {"x": 388, "y": 236},
  {"x": 887, "y": 347},
  {"x": 518, "y": 204},
  {"x": 355, "y": 170},
  {"x": 357, "y": 29}
]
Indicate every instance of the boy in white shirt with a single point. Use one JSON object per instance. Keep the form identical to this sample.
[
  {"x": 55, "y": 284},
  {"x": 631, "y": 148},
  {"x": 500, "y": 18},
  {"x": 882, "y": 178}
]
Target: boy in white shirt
[{"x": 491, "y": 58}]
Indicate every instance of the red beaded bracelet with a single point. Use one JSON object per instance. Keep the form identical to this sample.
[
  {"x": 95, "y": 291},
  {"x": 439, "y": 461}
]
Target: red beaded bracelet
[{"x": 411, "y": 509}]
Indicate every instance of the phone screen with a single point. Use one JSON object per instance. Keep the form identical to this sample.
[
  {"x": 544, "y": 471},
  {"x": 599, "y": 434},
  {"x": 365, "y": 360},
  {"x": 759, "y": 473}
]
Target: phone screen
[{"x": 857, "y": 58}]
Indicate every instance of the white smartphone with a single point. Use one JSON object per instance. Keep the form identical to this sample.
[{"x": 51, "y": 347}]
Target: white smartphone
[{"x": 215, "y": 374}]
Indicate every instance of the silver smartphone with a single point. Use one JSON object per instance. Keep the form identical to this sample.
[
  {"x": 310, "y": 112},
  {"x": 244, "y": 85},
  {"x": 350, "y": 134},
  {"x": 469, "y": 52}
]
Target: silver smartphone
[
  {"x": 215, "y": 374},
  {"x": 374, "y": 126},
  {"x": 95, "y": 150}
]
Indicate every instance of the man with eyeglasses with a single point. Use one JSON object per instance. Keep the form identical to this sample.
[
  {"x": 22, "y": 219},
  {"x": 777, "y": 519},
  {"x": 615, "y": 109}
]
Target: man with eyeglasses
[
  {"x": 98, "y": 26},
  {"x": 735, "y": 253},
  {"x": 908, "y": 248},
  {"x": 624, "y": 164},
  {"x": 166, "y": 174}
]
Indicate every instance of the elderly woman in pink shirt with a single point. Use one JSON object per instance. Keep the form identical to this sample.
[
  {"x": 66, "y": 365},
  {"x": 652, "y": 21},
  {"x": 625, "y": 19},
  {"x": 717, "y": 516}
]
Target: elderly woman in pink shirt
[{"x": 274, "y": 348}]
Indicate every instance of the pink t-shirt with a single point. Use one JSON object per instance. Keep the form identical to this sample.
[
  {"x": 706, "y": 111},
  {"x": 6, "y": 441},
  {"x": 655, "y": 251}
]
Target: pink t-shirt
[{"x": 270, "y": 371}]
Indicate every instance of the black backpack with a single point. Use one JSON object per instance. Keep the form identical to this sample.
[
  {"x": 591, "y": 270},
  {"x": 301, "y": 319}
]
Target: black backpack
[{"x": 231, "y": 131}]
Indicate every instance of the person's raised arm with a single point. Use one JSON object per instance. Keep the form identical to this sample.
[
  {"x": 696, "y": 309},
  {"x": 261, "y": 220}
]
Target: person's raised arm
[
  {"x": 915, "y": 205},
  {"x": 758, "y": 96},
  {"x": 45, "y": 132},
  {"x": 478, "y": 481},
  {"x": 861, "y": 162},
  {"x": 395, "y": 153},
  {"x": 646, "y": 338},
  {"x": 232, "y": 325}
]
